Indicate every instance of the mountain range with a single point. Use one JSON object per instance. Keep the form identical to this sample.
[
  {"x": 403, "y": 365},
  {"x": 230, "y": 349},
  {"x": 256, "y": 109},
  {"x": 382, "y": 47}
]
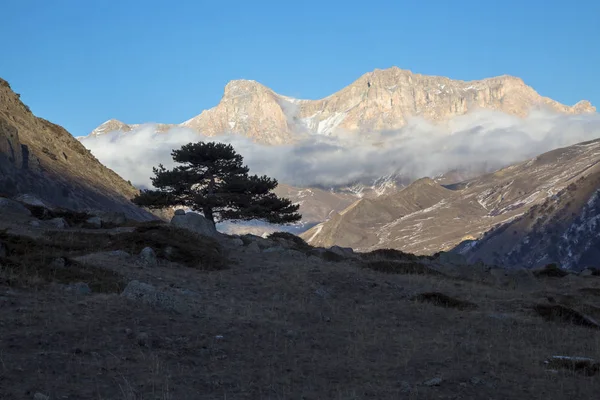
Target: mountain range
[
  {"x": 380, "y": 100},
  {"x": 542, "y": 198}
]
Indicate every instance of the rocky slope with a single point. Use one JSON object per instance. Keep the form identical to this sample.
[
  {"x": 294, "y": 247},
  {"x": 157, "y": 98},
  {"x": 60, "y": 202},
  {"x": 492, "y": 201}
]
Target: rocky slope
[
  {"x": 158, "y": 312},
  {"x": 565, "y": 229},
  {"x": 42, "y": 159},
  {"x": 426, "y": 217},
  {"x": 377, "y": 101}
]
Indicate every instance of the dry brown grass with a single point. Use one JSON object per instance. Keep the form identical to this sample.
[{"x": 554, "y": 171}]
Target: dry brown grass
[
  {"x": 271, "y": 328},
  {"x": 29, "y": 261}
]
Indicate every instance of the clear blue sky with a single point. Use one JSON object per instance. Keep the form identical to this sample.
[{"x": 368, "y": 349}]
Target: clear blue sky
[{"x": 79, "y": 63}]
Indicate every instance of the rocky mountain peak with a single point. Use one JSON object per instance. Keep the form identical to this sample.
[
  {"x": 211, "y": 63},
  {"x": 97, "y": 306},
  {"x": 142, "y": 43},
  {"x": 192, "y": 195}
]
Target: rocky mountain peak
[
  {"x": 111, "y": 125},
  {"x": 383, "y": 99},
  {"x": 584, "y": 106},
  {"x": 242, "y": 87}
]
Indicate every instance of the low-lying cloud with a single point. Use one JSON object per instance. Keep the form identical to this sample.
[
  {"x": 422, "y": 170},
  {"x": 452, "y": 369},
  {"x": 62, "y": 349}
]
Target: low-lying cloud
[{"x": 483, "y": 141}]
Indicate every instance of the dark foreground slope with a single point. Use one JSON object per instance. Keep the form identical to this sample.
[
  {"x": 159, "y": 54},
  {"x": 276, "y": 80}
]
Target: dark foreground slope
[
  {"x": 40, "y": 158},
  {"x": 273, "y": 319}
]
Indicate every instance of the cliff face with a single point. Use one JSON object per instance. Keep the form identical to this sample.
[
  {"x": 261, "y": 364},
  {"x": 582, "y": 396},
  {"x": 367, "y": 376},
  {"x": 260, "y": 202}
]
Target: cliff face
[
  {"x": 40, "y": 158},
  {"x": 378, "y": 100}
]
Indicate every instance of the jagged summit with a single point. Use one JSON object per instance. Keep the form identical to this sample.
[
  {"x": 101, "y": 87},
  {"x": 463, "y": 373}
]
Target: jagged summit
[{"x": 383, "y": 99}]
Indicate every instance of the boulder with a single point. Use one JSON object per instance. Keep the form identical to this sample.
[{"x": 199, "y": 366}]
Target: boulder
[
  {"x": 588, "y": 272},
  {"x": 80, "y": 288},
  {"x": 236, "y": 241},
  {"x": 58, "y": 263},
  {"x": 253, "y": 248},
  {"x": 31, "y": 200},
  {"x": 8, "y": 206},
  {"x": 94, "y": 221},
  {"x": 180, "y": 212},
  {"x": 109, "y": 217},
  {"x": 196, "y": 223},
  {"x": 148, "y": 257},
  {"x": 150, "y": 295},
  {"x": 58, "y": 223},
  {"x": 342, "y": 251}
]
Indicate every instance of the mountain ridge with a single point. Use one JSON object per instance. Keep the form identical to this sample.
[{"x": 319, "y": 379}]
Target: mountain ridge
[
  {"x": 468, "y": 210},
  {"x": 383, "y": 99},
  {"x": 40, "y": 158}
]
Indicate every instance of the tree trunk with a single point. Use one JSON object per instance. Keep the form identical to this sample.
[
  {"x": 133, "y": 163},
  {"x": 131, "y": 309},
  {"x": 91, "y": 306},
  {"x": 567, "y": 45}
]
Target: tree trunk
[
  {"x": 207, "y": 210},
  {"x": 208, "y": 214}
]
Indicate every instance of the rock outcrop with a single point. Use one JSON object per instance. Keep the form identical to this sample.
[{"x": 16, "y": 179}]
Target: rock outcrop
[{"x": 41, "y": 159}]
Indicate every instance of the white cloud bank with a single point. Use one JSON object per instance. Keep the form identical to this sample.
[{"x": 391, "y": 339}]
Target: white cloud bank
[{"x": 483, "y": 140}]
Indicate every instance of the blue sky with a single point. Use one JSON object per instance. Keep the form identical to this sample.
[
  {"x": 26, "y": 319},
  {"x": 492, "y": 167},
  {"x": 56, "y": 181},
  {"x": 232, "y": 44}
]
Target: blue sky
[{"x": 79, "y": 63}]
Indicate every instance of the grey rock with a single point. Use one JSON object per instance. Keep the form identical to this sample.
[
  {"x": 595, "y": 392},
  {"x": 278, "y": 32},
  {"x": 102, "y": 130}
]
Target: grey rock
[
  {"x": 196, "y": 223},
  {"x": 3, "y": 250},
  {"x": 143, "y": 339},
  {"x": 236, "y": 242},
  {"x": 8, "y": 206},
  {"x": 94, "y": 221},
  {"x": 148, "y": 257},
  {"x": 433, "y": 382},
  {"x": 342, "y": 251},
  {"x": 32, "y": 200},
  {"x": 59, "y": 223},
  {"x": 119, "y": 253},
  {"x": 35, "y": 223},
  {"x": 180, "y": 212},
  {"x": 40, "y": 396},
  {"x": 150, "y": 295},
  {"x": 322, "y": 292},
  {"x": 586, "y": 272},
  {"x": 109, "y": 217},
  {"x": 405, "y": 387},
  {"x": 79, "y": 288},
  {"x": 253, "y": 248},
  {"x": 476, "y": 381}
]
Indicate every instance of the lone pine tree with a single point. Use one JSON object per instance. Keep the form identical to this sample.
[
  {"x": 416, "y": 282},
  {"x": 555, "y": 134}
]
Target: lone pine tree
[{"x": 212, "y": 179}]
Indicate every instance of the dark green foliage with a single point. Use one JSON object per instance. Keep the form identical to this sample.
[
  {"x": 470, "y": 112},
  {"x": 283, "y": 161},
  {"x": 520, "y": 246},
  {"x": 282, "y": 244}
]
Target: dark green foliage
[
  {"x": 212, "y": 179},
  {"x": 390, "y": 254},
  {"x": 299, "y": 243}
]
